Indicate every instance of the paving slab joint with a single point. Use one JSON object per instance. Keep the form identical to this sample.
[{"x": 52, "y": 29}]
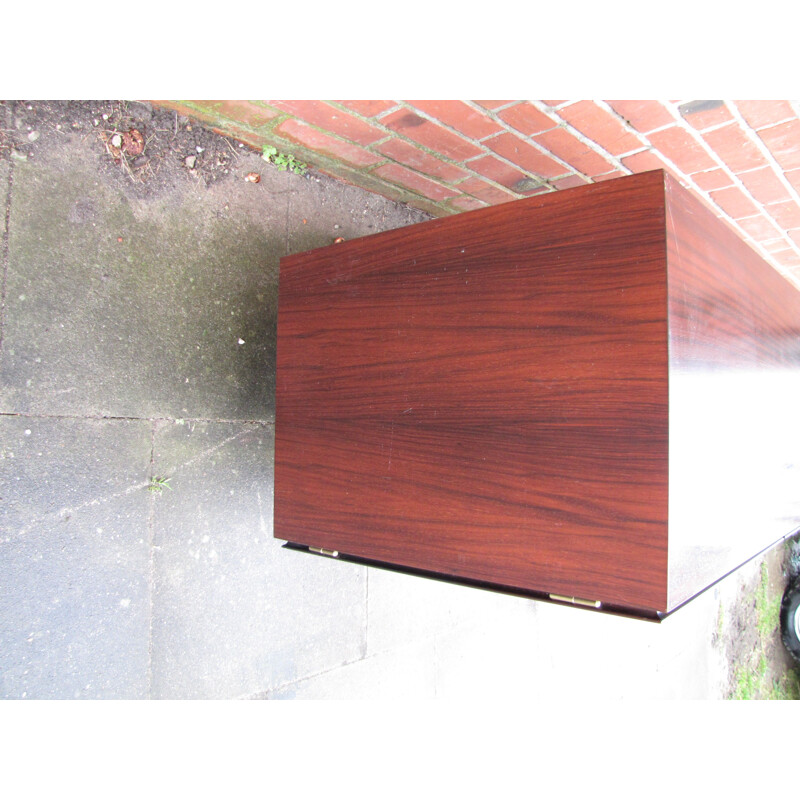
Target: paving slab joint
[{"x": 5, "y": 250}]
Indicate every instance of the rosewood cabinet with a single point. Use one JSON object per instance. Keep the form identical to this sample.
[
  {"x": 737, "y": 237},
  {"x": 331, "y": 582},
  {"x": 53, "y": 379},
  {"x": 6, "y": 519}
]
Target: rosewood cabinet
[{"x": 586, "y": 396}]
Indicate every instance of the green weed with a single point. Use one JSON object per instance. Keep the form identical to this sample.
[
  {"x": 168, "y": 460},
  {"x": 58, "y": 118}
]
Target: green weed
[
  {"x": 283, "y": 161},
  {"x": 752, "y": 679},
  {"x": 767, "y": 609},
  {"x": 754, "y": 684},
  {"x": 158, "y": 484},
  {"x": 751, "y": 684}
]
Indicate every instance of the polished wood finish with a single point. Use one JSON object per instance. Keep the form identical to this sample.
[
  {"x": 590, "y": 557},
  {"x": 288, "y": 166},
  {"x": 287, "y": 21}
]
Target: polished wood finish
[
  {"x": 734, "y": 385},
  {"x": 487, "y": 396}
]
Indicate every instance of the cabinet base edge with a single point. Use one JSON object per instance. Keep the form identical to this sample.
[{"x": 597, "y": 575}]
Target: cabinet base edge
[{"x": 646, "y": 614}]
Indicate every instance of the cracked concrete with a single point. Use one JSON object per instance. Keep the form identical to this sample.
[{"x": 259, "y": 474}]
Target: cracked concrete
[{"x": 137, "y": 340}]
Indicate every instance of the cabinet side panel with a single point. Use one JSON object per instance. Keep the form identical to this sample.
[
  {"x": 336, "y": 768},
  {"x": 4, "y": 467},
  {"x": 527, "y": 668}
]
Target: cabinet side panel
[
  {"x": 734, "y": 380},
  {"x": 485, "y": 396}
]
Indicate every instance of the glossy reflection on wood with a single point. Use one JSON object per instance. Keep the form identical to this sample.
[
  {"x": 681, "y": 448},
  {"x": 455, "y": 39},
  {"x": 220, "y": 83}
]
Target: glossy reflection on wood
[
  {"x": 734, "y": 380},
  {"x": 487, "y": 396}
]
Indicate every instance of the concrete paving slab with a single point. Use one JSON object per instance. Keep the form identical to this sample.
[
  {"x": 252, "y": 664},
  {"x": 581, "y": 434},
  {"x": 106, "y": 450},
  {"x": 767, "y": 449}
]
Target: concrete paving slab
[
  {"x": 234, "y": 613},
  {"x": 50, "y": 467},
  {"x": 5, "y": 202},
  {"x": 500, "y": 652},
  {"x": 117, "y": 306},
  {"x": 403, "y": 608},
  {"x": 74, "y": 558},
  {"x": 472, "y": 643},
  {"x": 326, "y": 210},
  {"x": 598, "y": 656},
  {"x": 406, "y": 673},
  {"x": 518, "y": 650}
]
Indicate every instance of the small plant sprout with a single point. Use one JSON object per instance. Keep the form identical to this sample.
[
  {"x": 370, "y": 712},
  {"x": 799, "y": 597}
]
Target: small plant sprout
[
  {"x": 158, "y": 484},
  {"x": 283, "y": 161}
]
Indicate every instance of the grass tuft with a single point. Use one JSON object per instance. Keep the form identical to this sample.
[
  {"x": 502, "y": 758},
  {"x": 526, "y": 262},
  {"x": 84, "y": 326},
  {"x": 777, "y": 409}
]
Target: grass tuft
[{"x": 753, "y": 681}]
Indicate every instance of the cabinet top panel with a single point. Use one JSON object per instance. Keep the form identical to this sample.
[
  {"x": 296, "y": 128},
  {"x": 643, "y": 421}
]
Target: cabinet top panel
[{"x": 486, "y": 396}]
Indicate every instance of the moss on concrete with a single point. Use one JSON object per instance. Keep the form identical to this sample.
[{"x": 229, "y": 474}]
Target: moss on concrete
[{"x": 208, "y": 112}]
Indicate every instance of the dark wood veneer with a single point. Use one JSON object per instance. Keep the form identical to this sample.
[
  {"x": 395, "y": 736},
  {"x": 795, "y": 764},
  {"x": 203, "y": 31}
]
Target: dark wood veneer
[{"x": 488, "y": 396}]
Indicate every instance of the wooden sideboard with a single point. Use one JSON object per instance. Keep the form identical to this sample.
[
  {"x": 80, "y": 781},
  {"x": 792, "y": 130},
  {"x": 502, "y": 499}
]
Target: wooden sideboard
[{"x": 586, "y": 396}]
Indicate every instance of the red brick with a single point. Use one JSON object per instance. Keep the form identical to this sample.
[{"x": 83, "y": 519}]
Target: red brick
[
  {"x": 787, "y": 215},
  {"x": 543, "y": 189},
  {"x": 609, "y": 175},
  {"x": 793, "y": 176},
  {"x": 526, "y": 119},
  {"x": 492, "y": 104},
  {"x": 467, "y": 203},
  {"x": 431, "y": 135},
  {"x": 572, "y": 150},
  {"x": 241, "y": 111},
  {"x": 316, "y": 140},
  {"x": 457, "y": 114},
  {"x": 241, "y": 134},
  {"x": 416, "y": 158},
  {"x": 644, "y": 161},
  {"x": 776, "y": 245},
  {"x": 394, "y": 173},
  {"x": 368, "y": 108},
  {"x": 553, "y": 103},
  {"x": 345, "y": 176},
  {"x": 788, "y": 259},
  {"x": 183, "y": 108},
  {"x": 210, "y": 117},
  {"x": 569, "y": 182},
  {"x": 760, "y": 113},
  {"x": 795, "y": 236},
  {"x": 644, "y": 115},
  {"x": 734, "y": 202},
  {"x": 784, "y": 143},
  {"x": 703, "y": 118},
  {"x": 331, "y": 119},
  {"x": 758, "y": 228},
  {"x": 525, "y": 155},
  {"x": 496, "y": 170},
  {"x": 601, "y": 127},
  {"x": 712, "y": 179},
  {"x": 678, "y": 146},
  {"x": 485, "y": 191},
  {"x": 735, "y": 148},
  {"x": 764, "y": 185}
]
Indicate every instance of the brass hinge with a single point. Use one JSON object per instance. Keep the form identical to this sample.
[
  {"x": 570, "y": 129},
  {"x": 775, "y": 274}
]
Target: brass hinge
[
  {"x": 578, "y": 601},
  {"x": 323, "y": 552}
]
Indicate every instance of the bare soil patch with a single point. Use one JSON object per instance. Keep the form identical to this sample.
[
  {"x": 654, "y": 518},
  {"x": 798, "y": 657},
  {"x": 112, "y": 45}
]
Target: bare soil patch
[
  {"x": 748, "y": 633},
  {"x": 135, "y": 142}
]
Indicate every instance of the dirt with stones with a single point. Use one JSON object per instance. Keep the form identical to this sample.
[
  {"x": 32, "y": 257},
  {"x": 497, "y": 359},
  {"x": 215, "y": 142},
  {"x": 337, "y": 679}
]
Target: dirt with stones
[{"x": 135, "y": 142}]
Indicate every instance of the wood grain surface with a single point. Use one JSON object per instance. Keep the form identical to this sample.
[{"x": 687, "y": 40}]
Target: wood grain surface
[
  {"x": 486, "y": 395},
  {"x": 734, "y": 424}
]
